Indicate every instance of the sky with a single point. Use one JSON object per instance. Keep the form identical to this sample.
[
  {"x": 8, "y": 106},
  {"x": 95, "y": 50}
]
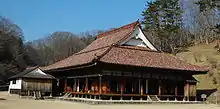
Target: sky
[{"x": 38, "y": 18}]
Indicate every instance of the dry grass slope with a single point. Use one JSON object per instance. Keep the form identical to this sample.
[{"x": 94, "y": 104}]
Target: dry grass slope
[{"x": 207, "y": 55}]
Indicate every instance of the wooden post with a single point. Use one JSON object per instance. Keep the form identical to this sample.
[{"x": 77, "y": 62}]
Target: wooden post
[
  {"x": 141, "y": 84},
  {"x": 176, "y": 92},
  {"x": 132, "y": 87},
  {"x": 188, "y": 91},
  {"x": 77, "y": 89},
  {"x": 65, "y": 85},
  {"x": 159, "y": 89},
  {"x": 74, "y": 86},
  {"x": 86, "y": 84},
  {"x": 146, "y": 87},
  {"x": 100, "y": 86},
  {"x": 121, "y": 87}
]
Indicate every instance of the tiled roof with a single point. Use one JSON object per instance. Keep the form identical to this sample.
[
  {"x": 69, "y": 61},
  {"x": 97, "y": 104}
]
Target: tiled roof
[
  {"x": 27, "y": 74},
  {"x": 77, "y": 59},
  {"x": 106, "y": 49},
  {"x": 146, "y": 58},
  {"x": 111, "y": 37},
  {"x": 96, "y": 48}
]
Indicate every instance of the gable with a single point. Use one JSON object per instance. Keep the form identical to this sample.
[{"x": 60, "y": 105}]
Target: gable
[
  {"x": 137, "y": 38},
  {"x": 37, "y": 71}
]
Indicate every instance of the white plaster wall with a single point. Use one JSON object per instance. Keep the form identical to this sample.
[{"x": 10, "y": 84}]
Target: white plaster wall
[
  {"x": 135, "y": 43},
  {"x": 17, "y": 85}
]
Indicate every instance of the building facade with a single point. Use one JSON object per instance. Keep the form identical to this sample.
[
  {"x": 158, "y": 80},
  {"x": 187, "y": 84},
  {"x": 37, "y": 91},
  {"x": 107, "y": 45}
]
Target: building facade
[
  {"x": 30, "y": 81},
  {"x": 123, "y": 64}
]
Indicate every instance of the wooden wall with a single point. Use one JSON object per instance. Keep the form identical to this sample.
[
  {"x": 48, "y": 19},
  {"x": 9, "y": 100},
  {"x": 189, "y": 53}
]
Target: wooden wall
[{"x": 43, "y": 85}]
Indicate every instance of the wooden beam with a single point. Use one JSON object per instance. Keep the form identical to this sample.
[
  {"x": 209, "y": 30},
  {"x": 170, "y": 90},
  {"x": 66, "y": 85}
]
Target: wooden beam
[{"x": 95, "y": 75}]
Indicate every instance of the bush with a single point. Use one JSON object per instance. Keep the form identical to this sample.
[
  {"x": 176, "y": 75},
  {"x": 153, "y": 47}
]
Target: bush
[
  {"x": 213, "y": 62},
  {"x": 211, "y": 73},
  {"x": 214, "y": 80}
]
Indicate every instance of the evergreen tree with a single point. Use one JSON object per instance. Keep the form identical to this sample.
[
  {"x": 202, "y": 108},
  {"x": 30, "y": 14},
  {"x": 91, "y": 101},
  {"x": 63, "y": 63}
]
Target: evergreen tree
[{"x": 163, "y": 17}]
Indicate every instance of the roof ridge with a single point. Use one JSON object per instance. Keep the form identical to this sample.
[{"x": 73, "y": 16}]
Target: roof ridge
[
  {"x": 91, "y": 50},
  {"x": 117, "y": 29},
  {"x": 104, "y": 53}
]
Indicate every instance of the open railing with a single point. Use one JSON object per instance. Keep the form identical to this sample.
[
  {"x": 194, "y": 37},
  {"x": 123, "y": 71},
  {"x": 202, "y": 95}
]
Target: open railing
[{"x": 115, "y": 96}]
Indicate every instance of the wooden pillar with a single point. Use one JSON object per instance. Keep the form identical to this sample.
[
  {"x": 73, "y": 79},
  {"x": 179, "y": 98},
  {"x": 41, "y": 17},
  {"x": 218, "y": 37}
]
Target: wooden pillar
[
  {"x": 65, "y": 85},
  {"x": 100, "y": 86},
  {"x": 132, "y": 87},
  {"x": 86, "y": 84},
  {"x": 122, "y": 85},
  {"x": 186, "y": 91},
  {"x": 176, "y": 90},
  {"x": 141, "y": 86},
  {"x": 159, "y": 88},
  {"x": 146, "y": 87},
  {"x": 77, "y": 88},
  {"x": 74, "y": 86}
]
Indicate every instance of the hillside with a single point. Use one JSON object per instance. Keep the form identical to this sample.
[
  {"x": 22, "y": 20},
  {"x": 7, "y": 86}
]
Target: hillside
[{"x": 203, "y": 54}]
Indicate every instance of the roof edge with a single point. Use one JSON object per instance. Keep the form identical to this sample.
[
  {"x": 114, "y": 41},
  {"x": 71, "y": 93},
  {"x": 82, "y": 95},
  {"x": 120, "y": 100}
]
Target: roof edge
[
  {"x": 117, "y": 29},
  {"x": 196, "y": 71}
]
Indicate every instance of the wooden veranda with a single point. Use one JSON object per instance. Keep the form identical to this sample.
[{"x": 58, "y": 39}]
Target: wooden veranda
[{"x": 124, "y": 85}]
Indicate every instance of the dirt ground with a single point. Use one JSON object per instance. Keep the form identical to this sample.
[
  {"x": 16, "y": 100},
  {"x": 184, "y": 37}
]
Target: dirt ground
[{"x": 14, "y": 102}]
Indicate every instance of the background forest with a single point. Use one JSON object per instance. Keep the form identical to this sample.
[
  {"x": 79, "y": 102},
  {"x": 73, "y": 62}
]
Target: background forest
[{"x": 172, "y": 25}]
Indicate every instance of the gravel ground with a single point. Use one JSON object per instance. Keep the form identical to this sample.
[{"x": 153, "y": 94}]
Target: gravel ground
[{"x": 14, "y": 102}]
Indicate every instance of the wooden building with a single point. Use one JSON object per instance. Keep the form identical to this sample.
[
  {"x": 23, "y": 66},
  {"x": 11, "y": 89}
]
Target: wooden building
[
  {"x": 123, "y": 64},
  {"x": 30, "y": 81}
]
